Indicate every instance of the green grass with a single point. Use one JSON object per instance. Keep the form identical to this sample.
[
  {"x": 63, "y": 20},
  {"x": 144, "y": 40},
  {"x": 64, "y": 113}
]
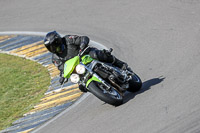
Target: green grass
[{"x": 22, "y": 84}]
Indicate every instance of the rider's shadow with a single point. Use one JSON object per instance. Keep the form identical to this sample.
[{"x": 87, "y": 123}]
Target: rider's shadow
[{"x": 145, "y": 86}]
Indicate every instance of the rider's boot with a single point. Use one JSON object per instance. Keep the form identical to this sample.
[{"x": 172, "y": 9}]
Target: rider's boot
[
  {"x": 120, "y": 64},
  {"x": 129, "y": 69},
  {"x": 105, "y": 55}
]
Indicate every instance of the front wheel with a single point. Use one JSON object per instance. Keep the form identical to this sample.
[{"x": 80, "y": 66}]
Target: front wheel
[
  {"x": 135, "y": 84},
  {"x": 112, "y": 96}
]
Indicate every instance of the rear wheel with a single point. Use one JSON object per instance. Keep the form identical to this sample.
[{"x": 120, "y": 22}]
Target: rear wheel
[
  {"x": 112, "y": 96},
  {"x": 135, "y": 84}
]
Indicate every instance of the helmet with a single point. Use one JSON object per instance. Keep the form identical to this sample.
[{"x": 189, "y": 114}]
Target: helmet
[{"x": 53, "y": 42}]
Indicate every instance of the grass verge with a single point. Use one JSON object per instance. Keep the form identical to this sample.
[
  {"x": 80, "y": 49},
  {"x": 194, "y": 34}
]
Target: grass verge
[{"x": 22, "y": 85}]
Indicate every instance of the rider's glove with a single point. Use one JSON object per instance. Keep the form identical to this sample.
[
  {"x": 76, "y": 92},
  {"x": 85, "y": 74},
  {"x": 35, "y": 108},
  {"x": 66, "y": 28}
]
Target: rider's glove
[{"x": 62, "y": 80}]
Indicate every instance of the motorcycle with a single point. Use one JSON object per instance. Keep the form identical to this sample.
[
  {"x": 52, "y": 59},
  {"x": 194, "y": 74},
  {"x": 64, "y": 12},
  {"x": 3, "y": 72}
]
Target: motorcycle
[{"x": 105, "y": 81}]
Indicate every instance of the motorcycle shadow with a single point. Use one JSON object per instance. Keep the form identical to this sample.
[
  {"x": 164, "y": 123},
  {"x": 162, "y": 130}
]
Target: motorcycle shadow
[{"x": 145, "y": 86}]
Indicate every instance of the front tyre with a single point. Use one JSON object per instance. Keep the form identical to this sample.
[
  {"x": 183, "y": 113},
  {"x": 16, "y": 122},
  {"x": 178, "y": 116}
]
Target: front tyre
[
  {"x": 111, "y": 97},
  {"x": 135, "y": 84}
]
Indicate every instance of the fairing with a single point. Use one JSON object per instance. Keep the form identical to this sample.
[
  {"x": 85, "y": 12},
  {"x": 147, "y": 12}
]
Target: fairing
[
  {"x": 70, "y": 66},
  {"x": 86, "y": 59}
]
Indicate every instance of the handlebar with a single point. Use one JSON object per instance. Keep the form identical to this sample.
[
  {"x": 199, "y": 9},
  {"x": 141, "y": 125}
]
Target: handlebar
[
  {"x": 110, "y": 50},
  {"x": 82, "y": 52}
]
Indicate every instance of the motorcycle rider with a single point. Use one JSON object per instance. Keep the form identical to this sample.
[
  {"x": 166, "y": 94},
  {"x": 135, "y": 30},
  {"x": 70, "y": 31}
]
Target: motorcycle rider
[{"x": 67, "y": 47}]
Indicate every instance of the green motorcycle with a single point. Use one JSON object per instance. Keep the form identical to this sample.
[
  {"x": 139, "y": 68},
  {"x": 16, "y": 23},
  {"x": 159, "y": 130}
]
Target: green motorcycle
[{"x": 105, "y": 81}]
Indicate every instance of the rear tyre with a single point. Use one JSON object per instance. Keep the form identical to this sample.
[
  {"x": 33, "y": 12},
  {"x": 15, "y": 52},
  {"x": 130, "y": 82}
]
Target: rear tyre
[
  {"x": 135, "y": 84},
  {"x": 112, "y": 97}
]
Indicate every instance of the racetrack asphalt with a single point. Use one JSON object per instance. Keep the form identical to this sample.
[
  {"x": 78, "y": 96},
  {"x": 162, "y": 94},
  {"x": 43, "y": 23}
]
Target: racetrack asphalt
[{"x": 159, "y": 40}]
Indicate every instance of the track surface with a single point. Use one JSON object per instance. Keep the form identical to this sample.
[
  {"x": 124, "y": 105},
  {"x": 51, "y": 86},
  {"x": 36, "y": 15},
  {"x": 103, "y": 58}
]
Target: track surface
[{"x": 160, "y": 40}]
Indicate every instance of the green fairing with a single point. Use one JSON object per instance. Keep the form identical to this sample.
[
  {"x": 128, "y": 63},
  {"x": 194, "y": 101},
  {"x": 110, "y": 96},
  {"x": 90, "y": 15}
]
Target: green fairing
[
  {"x": 92, "y": 79},
  {"x": 70, "y": 66},
  {"x": 86, "y": 59}
]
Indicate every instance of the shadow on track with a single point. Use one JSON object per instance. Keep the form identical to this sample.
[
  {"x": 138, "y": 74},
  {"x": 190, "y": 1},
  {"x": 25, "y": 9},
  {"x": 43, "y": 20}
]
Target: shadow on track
[{"x": 145, "y": 86}]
